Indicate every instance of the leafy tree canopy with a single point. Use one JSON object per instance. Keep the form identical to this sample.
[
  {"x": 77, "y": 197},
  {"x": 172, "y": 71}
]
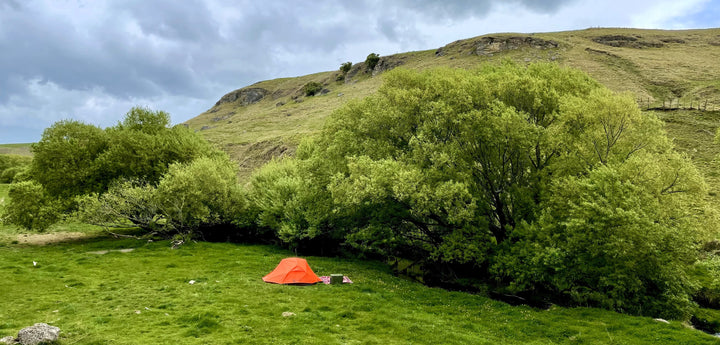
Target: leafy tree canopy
[
  {"x": 502, "y": 168},
  {"x": 74, "y": 159}
]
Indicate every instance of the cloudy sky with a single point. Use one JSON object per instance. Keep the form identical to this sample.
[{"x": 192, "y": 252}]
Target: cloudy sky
[{"x": 92, "y": 60}]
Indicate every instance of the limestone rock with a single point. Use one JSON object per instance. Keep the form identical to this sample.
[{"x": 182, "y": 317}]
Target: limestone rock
[
  {"x": 387, "y": 63},
  {"x": 288, "y": 314},
  {"x": 244, "y": 96},
  {"x": 38, "y": 333},
  {"x": 8, "y": 340},
  {"x": 627, "y": 41},
  {"x": 487, "y": 46}
]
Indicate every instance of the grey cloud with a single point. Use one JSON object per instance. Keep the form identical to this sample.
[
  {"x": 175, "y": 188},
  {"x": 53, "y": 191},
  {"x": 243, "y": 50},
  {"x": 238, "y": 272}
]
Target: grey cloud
[
  {"x": 174, "y": 20},
  {"x": 545, "y": 6},
  {"x": 102, "y": 56},
  {"x": 460, "y": 9},
  {"x": 10, "y": 4}
]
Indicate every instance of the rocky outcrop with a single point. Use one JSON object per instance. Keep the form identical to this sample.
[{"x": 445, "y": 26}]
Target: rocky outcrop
[
  {"x": 601, "y": 52},
  {"x": 626, "y": 41},
  {"x": 487, "y": 46},
  {"x": 244, "y": 96},
  {"x": 387, "y": 63}
]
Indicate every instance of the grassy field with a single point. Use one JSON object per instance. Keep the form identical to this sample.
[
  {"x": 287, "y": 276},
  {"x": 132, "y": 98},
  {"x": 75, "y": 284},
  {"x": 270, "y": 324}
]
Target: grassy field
[
  {"x": 144, "y": 297},
  {"x": 15, "y": 149}
]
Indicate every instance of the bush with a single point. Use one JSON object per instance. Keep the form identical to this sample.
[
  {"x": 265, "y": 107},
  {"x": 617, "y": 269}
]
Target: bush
[
  {"x": 345, "y": 67},
  {"x": 200, "y": 194},
  {"x": 74, "y": 159},
  {"x": 312, "y": 88},
  {"x": 607, "y": 240},
  {"x": 371, "y": 61},
  {"x": 30, "y": 207},
  {"x": 8, "y": 175},
  {"x": 128, "y": 203},
  {"x": 64, "y": 159},
  {"x": 190, "y": 198},
  {"x": 8, "y": 161}
]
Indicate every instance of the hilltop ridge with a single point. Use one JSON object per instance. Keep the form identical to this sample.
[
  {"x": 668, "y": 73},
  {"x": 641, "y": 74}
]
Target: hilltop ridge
[{"x": 267, "y": 119}]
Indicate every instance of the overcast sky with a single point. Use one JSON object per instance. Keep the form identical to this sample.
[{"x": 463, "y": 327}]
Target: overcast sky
[{"x": 93, "y": 60}]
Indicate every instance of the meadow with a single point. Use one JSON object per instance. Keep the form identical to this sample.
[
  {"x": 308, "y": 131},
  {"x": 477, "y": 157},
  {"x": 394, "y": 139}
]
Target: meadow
[
  {"x": 104, "y": 290},
  {"x": 98, "y": 293}
]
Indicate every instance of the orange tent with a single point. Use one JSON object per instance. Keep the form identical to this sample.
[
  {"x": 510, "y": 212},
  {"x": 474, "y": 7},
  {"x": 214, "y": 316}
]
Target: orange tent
[{"x": 292, "y": 271}]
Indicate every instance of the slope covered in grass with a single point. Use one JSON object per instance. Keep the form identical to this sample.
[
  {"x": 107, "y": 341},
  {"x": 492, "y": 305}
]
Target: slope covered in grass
[
  {"x": 144, "y": 296},
  {"x": 15, "y": 149},
  {"x": 268, "y": 118}
]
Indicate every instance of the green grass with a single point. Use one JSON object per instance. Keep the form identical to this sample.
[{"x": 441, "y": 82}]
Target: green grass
[
  {"x": 16, "y": 149},
  {"x": 143, "y": 297},
  {"x": 693, "y": 133}
]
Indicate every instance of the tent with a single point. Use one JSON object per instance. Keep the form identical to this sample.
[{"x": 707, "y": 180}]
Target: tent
[{"x": 292, "y": 271}]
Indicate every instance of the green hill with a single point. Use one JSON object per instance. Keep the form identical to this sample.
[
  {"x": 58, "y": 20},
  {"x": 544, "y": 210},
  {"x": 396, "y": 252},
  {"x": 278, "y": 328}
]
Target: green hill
[
  {"x": 661, "y": 68},
  {"x": 15, "y": 149}
]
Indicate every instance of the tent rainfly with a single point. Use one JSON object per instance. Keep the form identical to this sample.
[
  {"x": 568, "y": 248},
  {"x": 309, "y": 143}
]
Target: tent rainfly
[{"x": 292, "y": 271}]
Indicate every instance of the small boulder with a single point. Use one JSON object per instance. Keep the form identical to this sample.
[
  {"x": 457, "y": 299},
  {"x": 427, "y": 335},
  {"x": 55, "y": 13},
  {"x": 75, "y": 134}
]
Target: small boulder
[
  {"x": 38, "y": 333},
  {"x": 288, "y": 314},
  {"x": 7, "y": 340}
]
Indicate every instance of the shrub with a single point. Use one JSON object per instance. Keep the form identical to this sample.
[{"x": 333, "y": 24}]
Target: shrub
[
  {"x": 371, "y": 61},
  {"x": 200, "y": 194},
  {"x": 73, "y": 159},
  {"x": 11, "y": 161},
  {"x": 312, "y": 88},
  {"x": 30, "y": 207},
  {"x": 345, "y": 67},
  {"x": 8, "y": 175},
  {"x": 127, "y": 203}
]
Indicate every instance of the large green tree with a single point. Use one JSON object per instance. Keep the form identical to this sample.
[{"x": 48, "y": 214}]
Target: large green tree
[
  {"x": 64, "y": 160},
  {"x": 472, "y": 167}
]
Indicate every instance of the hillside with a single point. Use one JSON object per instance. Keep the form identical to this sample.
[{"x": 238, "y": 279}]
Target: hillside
[
  {"x": 268, "y": 118},
  {"x": 15, "y": 149}
]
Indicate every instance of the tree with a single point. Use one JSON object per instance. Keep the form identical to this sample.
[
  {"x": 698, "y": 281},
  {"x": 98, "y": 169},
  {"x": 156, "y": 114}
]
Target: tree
[
  {"x": 8, "y": 175},
  {"x": 8, "y": 161},
  {"x": 30, "y": 207},
  {"x": 471, "y": 168},
  {"x": 64, "y": 159},
  {"x": 190, "y": 199},
  {"x": 200, "y": 194},
  {"x": 74, "y": 159},
  {"x": 621, "y": 237},
  {"x": 128, "y": 203}
]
